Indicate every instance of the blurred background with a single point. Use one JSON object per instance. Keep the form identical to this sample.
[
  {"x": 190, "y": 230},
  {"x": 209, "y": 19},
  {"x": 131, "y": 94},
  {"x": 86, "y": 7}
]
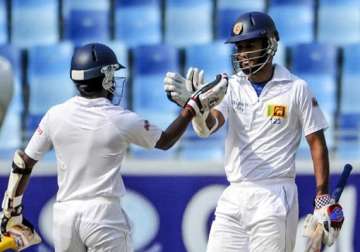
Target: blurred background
[{"x": 172, "y": 194}]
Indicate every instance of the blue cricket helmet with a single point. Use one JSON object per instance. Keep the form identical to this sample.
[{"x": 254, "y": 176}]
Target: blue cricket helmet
[
  {"x": 88, "y": 60},
  {"x": 253, "y": 25}
]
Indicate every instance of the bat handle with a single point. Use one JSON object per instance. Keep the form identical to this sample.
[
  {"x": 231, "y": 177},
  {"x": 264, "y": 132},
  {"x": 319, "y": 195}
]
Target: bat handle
[{"x": 342, "y": 182}]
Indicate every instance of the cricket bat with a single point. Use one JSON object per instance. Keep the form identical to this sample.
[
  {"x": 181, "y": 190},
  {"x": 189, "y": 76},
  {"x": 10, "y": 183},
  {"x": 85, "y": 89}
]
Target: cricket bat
[
  {"x": 314, "y": 242},
  {"x": 18, "y": 238}
]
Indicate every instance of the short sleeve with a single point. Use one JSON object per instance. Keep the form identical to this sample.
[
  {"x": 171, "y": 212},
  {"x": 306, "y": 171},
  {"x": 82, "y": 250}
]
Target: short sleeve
[
  {"x": 140, "y": 131},
  {"x": 40, "y": 142},
  {"x": 311, "y": 116}
]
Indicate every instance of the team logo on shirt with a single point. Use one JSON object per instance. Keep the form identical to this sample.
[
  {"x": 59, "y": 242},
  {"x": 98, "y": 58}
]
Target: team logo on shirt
[
  {"x": 276, "y": 113},
  {"x": 39, "y": 131}
]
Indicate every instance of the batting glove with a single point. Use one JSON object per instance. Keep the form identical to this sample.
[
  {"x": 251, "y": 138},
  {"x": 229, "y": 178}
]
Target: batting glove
[
  {"x": 178, "y": 89},
  {"x": 209, "y": 95},
  {"x": 330, "y": 215}
]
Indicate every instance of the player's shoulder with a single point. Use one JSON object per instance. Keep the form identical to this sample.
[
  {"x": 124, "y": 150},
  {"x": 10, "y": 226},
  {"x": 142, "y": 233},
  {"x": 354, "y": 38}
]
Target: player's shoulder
[
  {"x": 283, "y": 74},
  {"x": 61, "y": 107}
]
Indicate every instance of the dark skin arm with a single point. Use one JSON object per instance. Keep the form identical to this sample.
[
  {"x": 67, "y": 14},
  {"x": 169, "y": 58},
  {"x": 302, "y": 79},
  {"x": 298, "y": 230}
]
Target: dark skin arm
[
  {"x": 320, "y": 157},
  {"x": 176, "y": 129}
]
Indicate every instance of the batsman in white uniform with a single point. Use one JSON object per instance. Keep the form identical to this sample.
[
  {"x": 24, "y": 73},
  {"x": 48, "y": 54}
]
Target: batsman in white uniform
[
  {"x": 90, "y": 136},
  {"x": 267, "y": 110}
]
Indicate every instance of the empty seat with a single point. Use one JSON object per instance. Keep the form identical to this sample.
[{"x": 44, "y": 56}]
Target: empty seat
[
  {"x": 228, "y": 10},
  {"x": 213, "y": 58},
  {"x": 350, "y": 89},
  {"x": 188, "y": 22},
  {"x": 86, "y": 20},
  {"x": 316, "y": 63},
  {"x": 348, "y": 137},
  {"x": 3, "y": 22},
  {"x": 49, "y": 80},
  {"x": 193, "y": 147},
  {"x": 149, "y": 68},
  {"x": 342, "y": 16},
  {"x": 34, "y": 22},
  {"x": 138, "y": 22},
  {"x": 294, "y": 20}
]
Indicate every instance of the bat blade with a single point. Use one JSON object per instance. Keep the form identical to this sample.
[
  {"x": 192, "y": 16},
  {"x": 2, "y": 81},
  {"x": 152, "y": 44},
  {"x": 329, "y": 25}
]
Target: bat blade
[{"x": 314, "y": 242}]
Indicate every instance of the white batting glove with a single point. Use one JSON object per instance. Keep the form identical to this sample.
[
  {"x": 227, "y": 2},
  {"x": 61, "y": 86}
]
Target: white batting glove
[
  {"x": 12, "y": 213},
  {"x": 209, "y": 95},
  {"x": 329, "y": 215},
  {"x": 178, "y": 89}
]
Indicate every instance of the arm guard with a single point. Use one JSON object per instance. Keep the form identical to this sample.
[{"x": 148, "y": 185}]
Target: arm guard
[{"x": 11, "y": 203}]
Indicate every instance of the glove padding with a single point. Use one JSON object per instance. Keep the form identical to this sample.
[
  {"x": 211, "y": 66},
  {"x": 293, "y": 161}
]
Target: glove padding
[
  {"x": 329, "y": 215},
  {"x": 11, "y": 218},
  {"x": 209, "y": 95},
  {"x": 178, "y": 89}
]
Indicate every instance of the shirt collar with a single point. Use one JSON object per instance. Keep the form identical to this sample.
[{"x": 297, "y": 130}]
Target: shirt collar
[{"x": 94, "y": 102}]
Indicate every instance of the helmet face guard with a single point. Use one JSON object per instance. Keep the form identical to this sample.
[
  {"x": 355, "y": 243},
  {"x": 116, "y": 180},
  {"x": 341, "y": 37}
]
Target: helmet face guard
[
  {"x": 253, "y": 26},
  {"x": 112, "y": 83},
  {"x": 260, "y": 58}
]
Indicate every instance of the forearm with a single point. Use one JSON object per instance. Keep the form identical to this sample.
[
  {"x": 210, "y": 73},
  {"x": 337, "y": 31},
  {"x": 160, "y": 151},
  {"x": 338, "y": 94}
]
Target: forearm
[
  {"x": 320, "y": 157},
  {"x": 176, "y": 129}
]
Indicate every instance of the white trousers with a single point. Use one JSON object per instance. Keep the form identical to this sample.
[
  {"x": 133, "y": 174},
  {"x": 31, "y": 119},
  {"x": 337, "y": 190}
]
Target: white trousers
[
  {"x": 256, "y": 217},
  {"x": 91, "y": 225}
]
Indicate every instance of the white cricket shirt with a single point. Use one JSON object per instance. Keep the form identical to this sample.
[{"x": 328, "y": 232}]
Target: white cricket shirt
[
  {"x": 90, "y": 138},
  {"x": 264, "y": 132}
]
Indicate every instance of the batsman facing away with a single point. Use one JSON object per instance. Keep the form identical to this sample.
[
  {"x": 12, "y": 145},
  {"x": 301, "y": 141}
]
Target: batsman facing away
[
  {"x": 267, "y": 109},
  {"x": 90, "y": 136}
]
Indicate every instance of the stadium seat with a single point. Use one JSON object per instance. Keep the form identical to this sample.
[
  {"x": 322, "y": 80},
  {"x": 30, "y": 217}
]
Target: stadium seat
[
  {"x": 131, "y": 29},
  {"x": 350, "y": 89},
  {"x": 317, "y": 64},
  {"x": 49, "y": 80},
  {"x": 150, "y": 64},
  {"x": 228, "y": 10},
  {"x": 188, "y": 22},
  {"x": 3, "y": 22},
  {"x": 213, "y": 58},
  {"x": 294, "y": 20},
  {"x": 10, "y": 133},
  {"x": 192, "y": 147},
  {"x": 342, "y": 16},
  {"x": 34, "y": 22},
  {"x": 86, "y": 20},
  {"x": 348, "y": 137},
  {"x": 280, "y": 56}
]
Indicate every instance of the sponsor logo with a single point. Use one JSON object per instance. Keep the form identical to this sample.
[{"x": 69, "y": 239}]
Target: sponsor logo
[{"x": 238, "y": 27}]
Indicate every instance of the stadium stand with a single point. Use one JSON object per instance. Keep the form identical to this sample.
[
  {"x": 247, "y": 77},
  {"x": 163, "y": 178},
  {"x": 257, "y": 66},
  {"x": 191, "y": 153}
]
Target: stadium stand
[
  {"x": 295, "y": 20},
  {"x": 317, "y": 64},
  {"x": 342, "y": 16},
  {"x": 150, "y": 64},
  {"x": 86, "y": 20},
  {"x": 34, "y": 22},
  {"x": 131, "y": 29},
  {"x": 188, "y": 22},
  {"x": 48, "y": 76}
]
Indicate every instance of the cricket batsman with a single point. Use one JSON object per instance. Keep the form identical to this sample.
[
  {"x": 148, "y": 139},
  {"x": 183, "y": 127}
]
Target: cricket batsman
[
  {"x": 267, "y": 109},
  {"x": 90, "y": 136}
]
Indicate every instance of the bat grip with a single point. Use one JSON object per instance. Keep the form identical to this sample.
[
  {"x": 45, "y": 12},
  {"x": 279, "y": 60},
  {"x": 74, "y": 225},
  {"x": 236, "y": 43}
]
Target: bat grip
[{"x": 342, "y": 182}]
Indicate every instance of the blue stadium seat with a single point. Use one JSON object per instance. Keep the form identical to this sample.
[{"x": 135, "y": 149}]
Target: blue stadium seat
[
  {"x": 342, "y": 16},
  {"x": 294, "y": 20},
  {"x": 150, "y": 65},
  {"x": 317, "y": 64},
  {"x": 213, "y": 58},
  {"x": 131, "y": 29},
  {"x": 193, "y": 147},
  {"x": 188, "y": 22},
  {"x": 3, "y": 22},
  {"x": 280, "y": 56},
  {"x": 49, "y": 81},
  {"x": 348, "y": 140},
  {"x": 350, "y": 89},
  {"x": 86, "y": 20},
  {"x": 34, "y": 22},
  {"x": 229, "y": 10}
]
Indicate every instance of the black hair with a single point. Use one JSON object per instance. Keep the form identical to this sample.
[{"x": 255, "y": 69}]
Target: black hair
[{"x": 90, "y": 88}]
